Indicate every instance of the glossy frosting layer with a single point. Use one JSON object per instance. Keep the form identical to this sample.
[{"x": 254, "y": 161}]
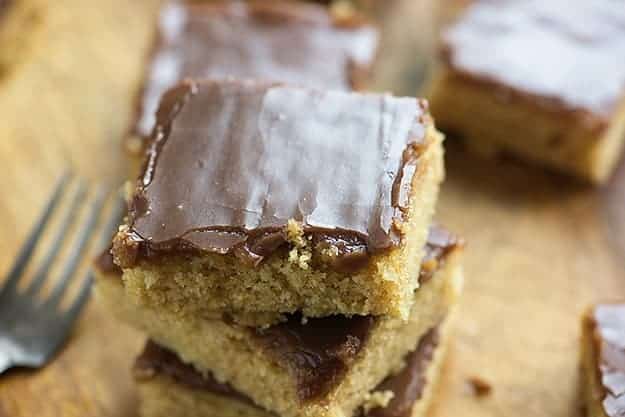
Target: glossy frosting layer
[
  {"x": 280, "y": 41},
  {"x": 566, "y": 57},
  {"x": 232, "y": 162},
  {"x": 440, "y": 243},
  {"x": 608, "y": 321}
]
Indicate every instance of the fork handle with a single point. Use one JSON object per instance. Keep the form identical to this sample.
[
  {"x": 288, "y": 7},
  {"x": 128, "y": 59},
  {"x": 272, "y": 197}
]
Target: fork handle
[{"x": 5, "y": 362}]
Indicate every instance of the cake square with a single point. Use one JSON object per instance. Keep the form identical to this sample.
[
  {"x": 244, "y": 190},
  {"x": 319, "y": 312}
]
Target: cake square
[
  {"x": 301, "y": 367},
  {"x": 280, "y": 40},
  {"x": 538, "y": 79},
  {"x": 168, "y": 387},
  {"x": 262, "y": 199},
  {"x": 603, "y": 360}
]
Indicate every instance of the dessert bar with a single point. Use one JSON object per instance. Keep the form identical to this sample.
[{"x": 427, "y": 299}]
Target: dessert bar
[
  {"x": 301, "y": 367},
  {"x": 259, "y": 197},
  {"x": 539, "y": 79},
  {"x": 603, "y": 360},
  {"x": 279, "y": 41},
  {"x": 168, "y": 387}
]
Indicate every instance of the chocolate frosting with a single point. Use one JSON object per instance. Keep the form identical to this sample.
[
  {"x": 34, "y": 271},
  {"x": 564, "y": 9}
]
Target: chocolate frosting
[
  {"x": 407, "y": 385},
  {"x": 231, "y": 162},
  {"x": 608, "y": 321},
  {"x": 278, "y": 40},
  {"x": 318, "y": 352},
  {"x": 564, "y": 57},
  {"x": 440, "y": 243},
  {"x": 105, "y": 264},
  {"x": 156, "y": 360}
]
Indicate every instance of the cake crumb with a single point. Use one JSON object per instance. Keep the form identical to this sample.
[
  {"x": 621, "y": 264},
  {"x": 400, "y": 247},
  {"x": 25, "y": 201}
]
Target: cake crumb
[
  {"x": 479, "y": 386},
  {"x": 300, "y": 257},
  {"x": 300, "y": 254},
  {"x": 379, "y": 399},
  {"x": 295, "y": 233},
  {"x": 150, "y": 281},
  {"x": 293, "y": 256},
  {"x": 328, "y": 252}
]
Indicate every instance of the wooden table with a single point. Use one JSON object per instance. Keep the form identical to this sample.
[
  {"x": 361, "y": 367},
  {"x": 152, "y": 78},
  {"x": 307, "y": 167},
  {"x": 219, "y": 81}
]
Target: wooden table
[{"x": 540, "y": 248}]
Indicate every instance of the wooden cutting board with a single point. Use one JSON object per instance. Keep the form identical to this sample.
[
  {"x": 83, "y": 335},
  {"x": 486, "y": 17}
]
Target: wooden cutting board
[{"x": 540, "y": 248}]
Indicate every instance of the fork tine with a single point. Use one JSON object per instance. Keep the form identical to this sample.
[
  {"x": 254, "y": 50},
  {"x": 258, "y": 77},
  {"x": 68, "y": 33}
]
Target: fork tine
[
  {"x": 83, "y": 239},
  {"x": 31, "y": 242},
  {"x": 107, "y": 232},
  {"x": 42, "y": 272},
  {"x": 81, "y": 298},
  {"x": 85, "y": 290}
]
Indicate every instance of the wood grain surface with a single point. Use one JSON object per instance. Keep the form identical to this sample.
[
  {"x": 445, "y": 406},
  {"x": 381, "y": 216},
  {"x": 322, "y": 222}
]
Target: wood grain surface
[{"x": 540, "y": 248}]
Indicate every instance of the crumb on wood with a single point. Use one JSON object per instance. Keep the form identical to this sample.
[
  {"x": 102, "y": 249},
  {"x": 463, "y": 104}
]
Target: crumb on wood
[{"x": 479, "y": 386}]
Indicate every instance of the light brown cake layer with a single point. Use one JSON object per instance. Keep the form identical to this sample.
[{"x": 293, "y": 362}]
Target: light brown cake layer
[
  {"x": 603, "y": 360},
  {"x": 168, "y": 387},
  {"x": 493, "y": 124},
  {"x": 550, "y": 90},
  {"x": 338, "y": 232},
  {"x": 274, "y": 381}
]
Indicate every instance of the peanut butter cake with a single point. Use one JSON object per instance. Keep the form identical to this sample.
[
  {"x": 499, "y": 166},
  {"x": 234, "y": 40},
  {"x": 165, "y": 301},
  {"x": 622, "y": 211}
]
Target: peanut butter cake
[
  {"x": 170, "y": 388},
  {"x": 264, "y": 198},
  {"x": 279, "y": 40},
  {"x": 540, "y": 79},
  {"x": 300, "y": 367},
  {"x": 603, "y": 360}
]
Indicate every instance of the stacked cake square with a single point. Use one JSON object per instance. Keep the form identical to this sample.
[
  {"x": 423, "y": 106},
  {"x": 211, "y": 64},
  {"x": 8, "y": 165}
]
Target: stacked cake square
[{"x": 280, "y": 254}]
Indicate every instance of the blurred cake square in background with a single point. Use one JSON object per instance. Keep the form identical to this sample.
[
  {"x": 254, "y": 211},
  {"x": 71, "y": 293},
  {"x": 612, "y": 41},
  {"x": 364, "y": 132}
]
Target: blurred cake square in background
[
  {"x": 538, "y": 79},
  {"x": 289, "y": 41}
]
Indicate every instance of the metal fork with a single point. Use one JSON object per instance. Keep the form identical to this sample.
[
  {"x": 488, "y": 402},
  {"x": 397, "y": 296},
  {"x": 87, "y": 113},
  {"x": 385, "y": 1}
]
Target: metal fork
[{"x": 33, "y": 329}]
